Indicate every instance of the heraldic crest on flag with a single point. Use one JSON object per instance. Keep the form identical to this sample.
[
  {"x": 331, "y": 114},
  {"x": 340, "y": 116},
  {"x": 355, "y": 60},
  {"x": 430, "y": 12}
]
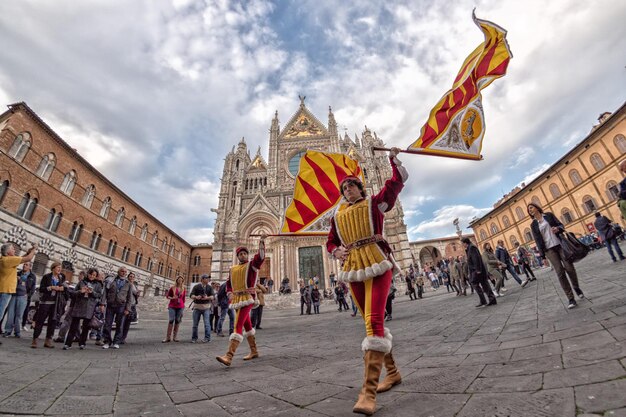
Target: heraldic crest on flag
[
  {"x": 316, "y": 192},
  {"x": 456, "y": 125}
]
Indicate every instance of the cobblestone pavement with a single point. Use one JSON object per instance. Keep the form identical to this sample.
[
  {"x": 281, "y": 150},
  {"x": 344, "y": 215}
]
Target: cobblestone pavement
[{"x": 527, "y": 356}]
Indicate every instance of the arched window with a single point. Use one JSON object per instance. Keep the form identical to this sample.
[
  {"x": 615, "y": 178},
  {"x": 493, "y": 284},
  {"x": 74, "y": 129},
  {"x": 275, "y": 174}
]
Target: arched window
[
  {"x": 597, "y": 161},
  {"x": 155, "y": 239},
  {"x": 196, "y": 260},
  {"x": 125, "y": 258},
  {"x": 46, "y": 166},
  {"x": 513, "y": 240},
  {"x": 177, "y": 272},
  {"x": 555, "y": 191},
  {"x": 138, "y": 258},
  {"x": 123, "y": 253},
  {"x": 119, "y": 219},
  {"x": 589, "y": 205},
  {"x": 27, "y": 207},
  {"x": 150, "y": 264},
  {"x": 505, "y": 221},
  {"x": 53, "y": 220},
  {"x": 144, "y": 232},
  {"x": 483, "y": 235},
  {"x": 527, "y": 235},
  {"x": 95, "y": 241},
  {"x": 69, "y": 181},
  {"x": 172, "y": 249},
  {"x": 90, "y": 193},
  {"x": 112, "y": 248},
  {"x": 163, "y": 245},
  {"x": 133, "y": 225},
  {"x": 237, "y": 165},
  {"x": 575, "y": 177},
  {"x": 519, "y": 213},
  {"x": 76, "y": 231},
  {"x": 294, "y": 162},
  {"x": 160, "y": 268},
  {"x": 535, "y": 200},
  {"x": 169, "y": 271},
  {"x": 20, "y": 147},
  {"x": 493, "y": 228},
  {"x": 566, "y": 216},
  {"x": 4, "y": 187},
  {"x": 620, "y": 143},
  {"x": 612, "y": 191},
  {"x": 106, "y": 207}
]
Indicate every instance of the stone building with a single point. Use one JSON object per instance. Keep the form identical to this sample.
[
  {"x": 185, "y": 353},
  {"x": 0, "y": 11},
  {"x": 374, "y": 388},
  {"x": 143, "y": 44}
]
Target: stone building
[
  {"x": 431, "y": 251},
  {"x": 50, "y": 195},
  {"x": 255, "y": 193},
  {"x": 585, "y": 180}
]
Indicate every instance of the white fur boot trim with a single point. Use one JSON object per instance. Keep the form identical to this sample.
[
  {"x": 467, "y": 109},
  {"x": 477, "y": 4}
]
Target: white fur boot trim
[
  {"x": 236, "y": 336},
  {"x": 252, "y": 332},
  {"x": 388, "y": 334},
  {"x": 379, "y": 344}
]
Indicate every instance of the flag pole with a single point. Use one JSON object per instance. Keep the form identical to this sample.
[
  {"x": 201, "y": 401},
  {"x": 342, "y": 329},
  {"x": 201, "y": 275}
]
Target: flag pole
[{"x": 418, "y": 152}]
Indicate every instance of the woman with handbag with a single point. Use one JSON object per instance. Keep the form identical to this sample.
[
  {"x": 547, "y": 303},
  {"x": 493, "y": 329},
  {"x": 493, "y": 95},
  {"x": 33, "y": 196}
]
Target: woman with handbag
[
  {"x": 548, "y": 231},
  {"x": 87, "y": 297}
]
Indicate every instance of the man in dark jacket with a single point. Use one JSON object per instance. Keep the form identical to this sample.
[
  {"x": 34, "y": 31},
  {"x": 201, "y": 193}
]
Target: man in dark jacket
[
  {"x": 202, "y": 295},
  {"x": 478, "y": 274},
  {"x": 31, "y": 286},
  {"x": 523, "y": 257},
  {"x": 503, "y": 256},
  {"x": 117, "y": 293},
  {"x": 621, "y": 203},
  {"x": 604, "y": 226},
  {"x": 222, "y": 300}
]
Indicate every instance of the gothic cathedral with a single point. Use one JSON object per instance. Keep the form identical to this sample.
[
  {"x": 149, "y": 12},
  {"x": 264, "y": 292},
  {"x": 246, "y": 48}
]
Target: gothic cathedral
[{"x": 255, "y": 193}]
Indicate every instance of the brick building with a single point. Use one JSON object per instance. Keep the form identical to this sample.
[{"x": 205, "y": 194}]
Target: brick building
[
  {"x": 49, "y": 194},
  {"x": 585, "y": 180}
]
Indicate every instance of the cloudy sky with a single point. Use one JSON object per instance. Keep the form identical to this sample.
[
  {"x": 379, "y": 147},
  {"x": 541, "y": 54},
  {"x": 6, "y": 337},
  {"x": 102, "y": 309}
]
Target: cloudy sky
[{"x": 155, "y": 93}]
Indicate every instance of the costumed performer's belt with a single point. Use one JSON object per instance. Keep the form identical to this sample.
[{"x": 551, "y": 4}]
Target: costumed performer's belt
[
  {"x": 246, "y": 291},
  {"x": 366, "y": 241}
]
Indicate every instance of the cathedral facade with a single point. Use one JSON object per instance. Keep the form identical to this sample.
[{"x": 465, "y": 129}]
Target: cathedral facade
[{"x": 255, "y": 194}]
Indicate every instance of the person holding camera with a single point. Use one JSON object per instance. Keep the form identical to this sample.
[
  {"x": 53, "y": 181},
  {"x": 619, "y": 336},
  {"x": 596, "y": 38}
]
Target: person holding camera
[
  {"x": 202, "y": 295},
  {"x": 87, "y": 297}
]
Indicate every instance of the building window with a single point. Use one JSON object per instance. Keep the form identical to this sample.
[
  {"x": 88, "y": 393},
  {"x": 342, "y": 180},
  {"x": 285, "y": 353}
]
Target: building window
[
  {"x": 519, "y": 213},
  {"x": 155, "y": 239},
  {"x": 483, "y": 235},
  {"x": 3, "y": 189},
  {"x": 527, "y": 235},
  {"x": 494, "y": 229},
  {"x": 20, "y": 147},
  {"x": 46, "y": 166},
  {"x": 505, "y": 221},
  {"x": 169, "y": 271},
  {"x": 620, "y": 143},
  {"x": 69, "y": 181},
  {"x": 27, "y": 207},
  {"x": 555, "y": 191},
  {"x": 612, "y": 191},
  {"x": 133, "y": 225},
  {"x": 513, "y": 241},
  {"x": 597, "y": 161},
  {"x": 195, "y": 278},
  {"x": 535, "y": 200},
  {"x": 172, "y": 249},
  {"x": 90, "y": 193},
  {"x": 125, "y": 258},
  {"x": 589, "y": 205},
  {"x": 196, "y": 260},
  {"x": 112, "y": 248},
  {"x": 76, "y": 231},
  {"x": 163, "y": 245},
  {"x": 123, "y": 253},
  {"x": 53, "y": 220},
  {"x": 106, "y": 207},
  {"x": 294, "y": 162},
  {"x": 144, "y": 232},
  {"x": 575, "y": 177},
  {"x": 566, "y": 216},
  {"x": 119, "y": 219},
  {"x": 138, "y": 257},
  {"x": 150, "y": 264},
  {"x": 95, "y": 241},
  {"x": 160, "y": 269}
]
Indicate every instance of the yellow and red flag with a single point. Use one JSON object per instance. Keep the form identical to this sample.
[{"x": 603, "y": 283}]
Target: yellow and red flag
[
  {"x": 316, "y": 191},
  {"x": 456, "y": 124}
]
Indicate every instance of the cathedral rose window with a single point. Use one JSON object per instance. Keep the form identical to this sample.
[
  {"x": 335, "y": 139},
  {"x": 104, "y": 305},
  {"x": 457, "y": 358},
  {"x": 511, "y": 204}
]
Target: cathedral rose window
[{"x": 294, "y": 163}]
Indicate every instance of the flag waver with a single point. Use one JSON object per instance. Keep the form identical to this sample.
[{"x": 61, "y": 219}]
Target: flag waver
[
  {"x": 455, "y": 126},
  {"x": 316, "y": 191}
]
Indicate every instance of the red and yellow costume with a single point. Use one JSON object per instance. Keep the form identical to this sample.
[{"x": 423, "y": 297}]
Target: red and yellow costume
[
  {"x": 358, "y": 227},
  {"x": 240, "y": 287}
]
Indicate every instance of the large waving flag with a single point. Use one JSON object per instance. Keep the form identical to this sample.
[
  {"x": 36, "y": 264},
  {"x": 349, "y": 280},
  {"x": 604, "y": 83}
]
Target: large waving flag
[
  {"x": 456, "y": 124},
  {"x": 316, "y": 191}
]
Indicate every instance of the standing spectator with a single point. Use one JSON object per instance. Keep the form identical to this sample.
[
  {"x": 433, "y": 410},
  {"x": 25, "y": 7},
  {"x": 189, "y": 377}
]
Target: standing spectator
[
  {"x": 87, "y": 297},
  {"x": 100, "y": 314},
  {"x": 8, "y": 272},
  {"x": 222, "y": 299},
  {"x": 270, "y": 285},
  {"x": 315, "y": 298},
  {"x": 175, "y": 308},
  {"x": 433, "y": 280},
  {"x": 340, "y": 293},
  {"x": 215, "y": 315},
  {"x": 503, "y": 256},
  {"x": 66, "y": 318},
  {"x": 202, "y": 295},
  {"x": 621, "y": 203},
  {"x": 31, "y": 286},
  {"x": 604, "y": 227},
  {"x": 546, "y": 229},
  {"x": 307, "y": 298},
  {"x": 410, "y": 289},
  {"x": 420, "y": 286},
  {"x": 118, "y": 299},
  {"x": 257, "y": 313},
  {"x": 333, "y": 280},
  {"x": 478, "y": 274},
  {"x": 50, "y": 292},
  {"x": 132, "y": 315},
  {"x": 493, "y": 267},
  {"x": 389, "y": 304},
  {"x": 302, "y": 297},
  {"x": 523, "y": 257},
  {"x": 19, "y": 301}
]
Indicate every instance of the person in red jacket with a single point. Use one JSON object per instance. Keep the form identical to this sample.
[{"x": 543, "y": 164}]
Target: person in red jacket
[
  {"x": 356, "y": 239},
  {"x": 240, "y": 287}
]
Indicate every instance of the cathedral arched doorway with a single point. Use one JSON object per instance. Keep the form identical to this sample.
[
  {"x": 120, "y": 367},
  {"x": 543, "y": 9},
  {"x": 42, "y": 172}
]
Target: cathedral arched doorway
[
  {"x": 311, "y": 264},
  {"x": 429, "y": 255}
]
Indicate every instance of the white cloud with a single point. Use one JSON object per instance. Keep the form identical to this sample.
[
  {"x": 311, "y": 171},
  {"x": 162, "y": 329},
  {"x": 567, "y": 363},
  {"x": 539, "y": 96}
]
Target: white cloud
[
  {"x": 534, "y": 173},
  {"x": 441, "y": 222}
]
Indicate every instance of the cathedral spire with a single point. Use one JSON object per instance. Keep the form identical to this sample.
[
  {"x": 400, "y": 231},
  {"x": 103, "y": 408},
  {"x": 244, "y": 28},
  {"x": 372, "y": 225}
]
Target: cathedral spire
[{"x": 332, "y": 124}]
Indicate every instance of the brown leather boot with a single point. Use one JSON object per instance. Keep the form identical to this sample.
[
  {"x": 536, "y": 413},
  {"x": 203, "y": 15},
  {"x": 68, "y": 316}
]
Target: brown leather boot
[
  {"x": 48, "y": 343},
  {"x": 228, "y": 357},
  {"x": 366, "y": 403},
  {"x": 34, "y": 344},
  {"x": 175, "y": 335},
  {"x": 168, "y": 337},
  {"x": 253, "y": 352},
  {"x": 393, "y": 375}
]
